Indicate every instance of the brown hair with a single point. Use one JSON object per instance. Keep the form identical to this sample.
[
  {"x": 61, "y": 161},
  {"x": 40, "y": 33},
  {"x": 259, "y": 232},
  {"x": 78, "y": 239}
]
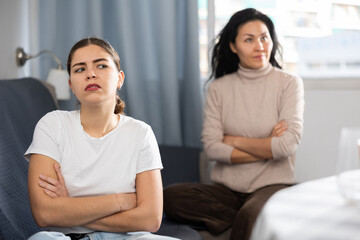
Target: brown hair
[{"x": 119, "y": 104}]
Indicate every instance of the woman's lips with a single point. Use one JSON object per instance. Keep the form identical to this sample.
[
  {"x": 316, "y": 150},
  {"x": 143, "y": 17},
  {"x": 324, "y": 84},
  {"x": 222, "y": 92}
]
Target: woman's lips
[
  {"x": 259, "y": 57},
  {"x": 92, "y": 87}
]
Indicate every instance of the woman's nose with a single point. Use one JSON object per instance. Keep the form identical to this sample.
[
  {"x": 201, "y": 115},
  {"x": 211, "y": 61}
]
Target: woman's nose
[
  {"x": 91, "y": 74},
  {"x": 259, "y": 45}
]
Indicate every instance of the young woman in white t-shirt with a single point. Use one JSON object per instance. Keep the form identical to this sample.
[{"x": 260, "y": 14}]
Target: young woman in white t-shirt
[{"x": 95, "y": 172}]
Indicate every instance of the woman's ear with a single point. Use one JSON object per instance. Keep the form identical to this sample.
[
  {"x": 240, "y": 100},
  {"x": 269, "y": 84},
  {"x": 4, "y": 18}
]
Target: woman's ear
[
  {"x": 121, "y": 79},
  {"x": 232, "y": 47},
  {"x": 69, "y": 81}
]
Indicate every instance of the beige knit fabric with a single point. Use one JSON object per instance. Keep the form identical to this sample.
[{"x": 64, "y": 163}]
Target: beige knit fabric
[{"x": 250, "y": 103}]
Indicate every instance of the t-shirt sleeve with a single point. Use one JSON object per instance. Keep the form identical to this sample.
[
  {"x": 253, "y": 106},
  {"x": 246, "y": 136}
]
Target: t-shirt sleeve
[
  {"x": 149, "y": 155},
  {"x": 46, "y": 138}
]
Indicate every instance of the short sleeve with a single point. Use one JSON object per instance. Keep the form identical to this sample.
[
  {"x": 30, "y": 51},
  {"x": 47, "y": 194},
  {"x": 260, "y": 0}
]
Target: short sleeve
[
  {"x": 149, "y": 155},
  {"x": 46, "y": 138}
]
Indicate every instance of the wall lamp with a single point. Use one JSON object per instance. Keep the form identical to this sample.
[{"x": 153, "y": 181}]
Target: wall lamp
[{"x": 57, "y": 77}]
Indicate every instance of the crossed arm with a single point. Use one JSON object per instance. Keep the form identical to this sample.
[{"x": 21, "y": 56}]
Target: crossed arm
[
  {"x": 121, "y": 212},
  {"x": 253, "y": 149}
]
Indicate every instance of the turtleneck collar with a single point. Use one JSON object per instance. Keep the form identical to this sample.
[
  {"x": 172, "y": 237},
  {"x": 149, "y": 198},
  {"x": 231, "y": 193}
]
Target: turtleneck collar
[{"x": 253, "y": 75}]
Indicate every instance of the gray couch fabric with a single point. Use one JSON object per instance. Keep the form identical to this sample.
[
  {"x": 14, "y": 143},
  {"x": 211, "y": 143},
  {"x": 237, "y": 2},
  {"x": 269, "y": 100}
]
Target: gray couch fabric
[{"x": 22, "y": 102}]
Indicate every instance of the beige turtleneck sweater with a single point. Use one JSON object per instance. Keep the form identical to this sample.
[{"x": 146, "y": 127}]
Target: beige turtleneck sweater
[{"x": 249, "y": 103}]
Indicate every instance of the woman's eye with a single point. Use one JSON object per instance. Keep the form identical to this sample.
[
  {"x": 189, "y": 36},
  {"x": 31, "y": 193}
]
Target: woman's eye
[
  {"x": 102, "y": 66},
  {"x": 78, "y": 70},
  {"x": 264, "y": 38},
  {"x": 248, "y": 40}
]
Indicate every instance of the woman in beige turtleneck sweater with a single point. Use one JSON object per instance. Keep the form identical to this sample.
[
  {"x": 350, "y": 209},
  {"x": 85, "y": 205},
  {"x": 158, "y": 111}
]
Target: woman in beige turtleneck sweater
[{"x": 253, "y": 124}]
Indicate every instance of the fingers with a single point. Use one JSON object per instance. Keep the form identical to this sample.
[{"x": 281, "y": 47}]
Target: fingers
[
  {"x": 50, "y": 193},
  {"x": 282, "y": 129},
  {"x": 48, "y": 179},
  {"x": 280, "y": 132},
  {"x": 54, "y": 187},
  {"x": 229, "y": 140},
  {"x": 279, "y": 129},
  {"x": 280, "y": 124},
  {"x": 48, "y": 187},
  {"x": 59, "y": 174}
]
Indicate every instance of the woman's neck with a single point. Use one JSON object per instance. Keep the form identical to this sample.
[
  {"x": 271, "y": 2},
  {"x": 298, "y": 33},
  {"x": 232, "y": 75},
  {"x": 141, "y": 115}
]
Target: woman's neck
[
  {"x": 98, "y": 121},
  {"x": 254, "y": 74}
]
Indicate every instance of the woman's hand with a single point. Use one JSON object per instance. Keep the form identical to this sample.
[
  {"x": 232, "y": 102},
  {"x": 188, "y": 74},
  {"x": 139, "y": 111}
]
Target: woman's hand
[
  {"x": 57, "y": 188},
  {"x": 279, "y": 129},
  {"x": 254, "y": 149},
  {"x": 230, "y": 140},
  {"x": 52, "y": 187}
]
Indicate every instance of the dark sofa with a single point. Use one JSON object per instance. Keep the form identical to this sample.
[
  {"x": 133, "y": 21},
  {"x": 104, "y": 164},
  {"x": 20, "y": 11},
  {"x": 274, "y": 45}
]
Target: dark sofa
[{"x": 22, "y": 102}]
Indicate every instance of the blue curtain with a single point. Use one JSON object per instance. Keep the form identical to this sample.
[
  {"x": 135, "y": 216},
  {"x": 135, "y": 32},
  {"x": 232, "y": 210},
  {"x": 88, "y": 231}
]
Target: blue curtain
[{"x": 158, "y": 44}]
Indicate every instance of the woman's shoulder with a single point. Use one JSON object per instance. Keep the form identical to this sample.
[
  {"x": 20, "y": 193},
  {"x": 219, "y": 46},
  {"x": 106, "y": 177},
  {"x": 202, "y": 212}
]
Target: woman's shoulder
[
  {"x": 285, "y": 75},
  {"x": 132, "y": 122},
  {"x": 60, "y": 114},
  {"x": 223, "y": 81},
  {"x": 287, "y": 80},
  {"x": 226, "y": 78},
  {"x": 134, "y": 127},
  {"x": 60, "y": 117}
]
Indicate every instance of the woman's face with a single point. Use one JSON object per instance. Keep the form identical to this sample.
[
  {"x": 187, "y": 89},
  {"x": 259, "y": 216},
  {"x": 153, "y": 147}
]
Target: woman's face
[
  {"x": 94, "y": 76},
  {"x": 253, "y": 45}
]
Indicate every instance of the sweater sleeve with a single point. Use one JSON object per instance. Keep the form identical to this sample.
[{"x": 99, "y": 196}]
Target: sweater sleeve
[
  {"x": 291, "y": 109},
  {"x": 213, "y": 130}
]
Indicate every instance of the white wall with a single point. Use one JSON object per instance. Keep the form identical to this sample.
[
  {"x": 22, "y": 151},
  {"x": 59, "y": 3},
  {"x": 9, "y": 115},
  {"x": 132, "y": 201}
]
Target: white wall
[
  {"x": 14, "y": 30},
  {"x": 329, "y": 105}
]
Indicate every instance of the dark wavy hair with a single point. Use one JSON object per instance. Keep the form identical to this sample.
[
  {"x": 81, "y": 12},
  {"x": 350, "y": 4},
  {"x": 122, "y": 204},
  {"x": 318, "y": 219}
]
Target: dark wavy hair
[
  {"x": 223, "y": 60},
  {"x": 120, "y": 104}
]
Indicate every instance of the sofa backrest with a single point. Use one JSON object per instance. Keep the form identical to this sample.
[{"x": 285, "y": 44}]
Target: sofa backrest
[
  {"x": 22, "y": 103},
  {"x": 181, "y": 164}
]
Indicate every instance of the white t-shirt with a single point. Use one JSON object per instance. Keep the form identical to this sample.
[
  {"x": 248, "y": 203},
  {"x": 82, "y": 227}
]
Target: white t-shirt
[{"x": 96, "y": 166}]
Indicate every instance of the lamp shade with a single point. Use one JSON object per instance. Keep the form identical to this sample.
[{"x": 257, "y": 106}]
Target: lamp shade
[{"x": 59, "y": 79}]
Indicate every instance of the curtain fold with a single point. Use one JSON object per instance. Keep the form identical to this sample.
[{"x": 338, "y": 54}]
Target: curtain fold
[{"x": 158, "y": 44}]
